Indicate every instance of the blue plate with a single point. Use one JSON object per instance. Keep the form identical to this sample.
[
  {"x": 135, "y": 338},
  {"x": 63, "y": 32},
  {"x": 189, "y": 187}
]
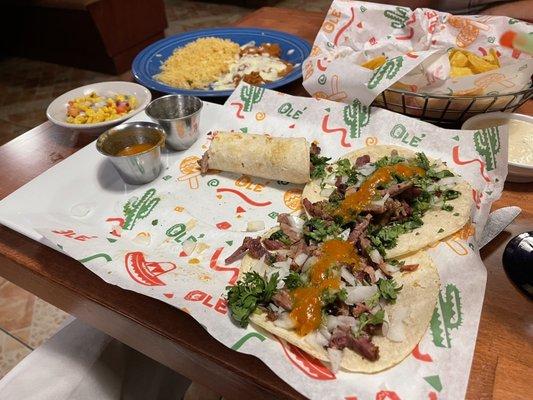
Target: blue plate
[{"x": 148, "y": 62}]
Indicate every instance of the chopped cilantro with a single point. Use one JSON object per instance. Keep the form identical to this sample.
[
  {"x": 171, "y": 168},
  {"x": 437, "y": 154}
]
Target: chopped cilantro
[
  {"x": 440, "y": 230},
  {"x": 388, "y": 289},
  {"x": 373, "y": 300},
  {"x": 439, "y": 174},
  {"x": 456, "y": 214},
  {"x": 249, "y": 292},
  {"x": 422, "y": 161},
  {"x": 384, "y": 161},
  {"x": 344, "y": 168},
  {"x": 319, "y": 230},
  {"x": 342, "y": 295},
  {"x": 319, "y": 166},
  {"x": 293, "y": 280},
  {"x": 281, "y": 236},
  {"x": 371, "y": 319},
  {"x": 386, "y": 237},
  {"x": 447, "y": 207},
  {"x": 450, "y": 194}
]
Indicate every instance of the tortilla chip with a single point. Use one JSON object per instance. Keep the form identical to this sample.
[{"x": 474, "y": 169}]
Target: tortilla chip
[
  {"x": 419, "y": 295},
  {"x": 438, "y": 223},
  {"x": 374, "y": 63},
  {"x": 458, "y": 59},
  {"x": 479, "y": 65}
]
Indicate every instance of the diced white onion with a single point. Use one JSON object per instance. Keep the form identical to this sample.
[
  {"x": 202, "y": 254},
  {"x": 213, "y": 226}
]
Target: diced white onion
[
  {"x": 335, "y": 358},
  {"x": 260, "y": 266},
  {"x": 284, "y": 321},
  {"x": 188, "y": 246},
  {"x": 344, "y": 179},
  {"x": 300, "y": 259},
  {"x": 375, "y": 256},
  {"x": 391, "y": 269},
  {"x": 344, "y": 234},
  {"x": 379, "y": 275},
  {"x": 254, "y": 226},
  {"x": 309, "y": 263},
  {"x": 359, "y": 294},
  {"x": 275, "y": 308},
  {"x": 320, "y": 339},
  {"x": 327, "y": 191},
  {"x": 330, "y": 180},
  {"x": 297, "y": 223},
  {"x": 366, "y": 169},
  {"x": 333, "y": 321},
  {"x": 347, "y": 276},
  {"x": 324, "y": 331},
  {"x": 283, "y": 270},
  {"x": 282, "y": 264}
]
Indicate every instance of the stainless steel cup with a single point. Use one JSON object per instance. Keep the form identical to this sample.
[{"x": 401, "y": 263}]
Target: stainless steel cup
[
  {"x": 179, "y": 116},
  {"x": 139, "y": 168}
]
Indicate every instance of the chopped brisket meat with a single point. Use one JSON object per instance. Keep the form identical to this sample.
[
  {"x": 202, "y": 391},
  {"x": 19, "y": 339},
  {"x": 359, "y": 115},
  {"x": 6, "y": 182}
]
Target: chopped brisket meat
[
  {"x": 287, "y": 227},
  {"x": 410, "y": 193},
  {"x": 271, "y": 244},
  {"x": 341, "y": 187},
  {"x": 249, "y": 245},
  {"x": 383, "y": 267},
  {"x": 364, "y": 243},
  {"x": 338, "y": 308},
  {"x": 317, "y": 209},
  {"x": 359, "y": 229},
  {"x": 300, "y": 247},
  {"x": 204, "y": 163},
  {"x": 408, "y": 267},
  {"x": 360, "y": 161},
  {"x": 283, "y": 299},
  {"x": 314, "y": 149},
  {"x": 394, "y": 190},
  {"x": 271, "y": 315},
  {"x": 372, "y": 329},
  {"x": 371, "y": 274},
  {"x": 362, "y": 345},
  {"x": 375, "y": 208},
  {"x": 359, "y": 309},
  {"x": 280, "y": 257}
]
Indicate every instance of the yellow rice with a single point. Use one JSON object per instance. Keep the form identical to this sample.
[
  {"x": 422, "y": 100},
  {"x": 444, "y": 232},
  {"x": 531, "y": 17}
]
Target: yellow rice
[{"x": 199, "y": 63}]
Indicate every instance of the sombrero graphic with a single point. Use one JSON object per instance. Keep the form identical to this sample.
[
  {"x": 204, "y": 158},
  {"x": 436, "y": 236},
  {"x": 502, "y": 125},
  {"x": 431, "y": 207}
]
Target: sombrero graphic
[{"x": 146, "y": 272}]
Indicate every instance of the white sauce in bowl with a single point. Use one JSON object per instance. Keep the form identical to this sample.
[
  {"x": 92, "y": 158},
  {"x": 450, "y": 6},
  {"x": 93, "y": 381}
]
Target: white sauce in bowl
[{"x": 520, "y": 142}]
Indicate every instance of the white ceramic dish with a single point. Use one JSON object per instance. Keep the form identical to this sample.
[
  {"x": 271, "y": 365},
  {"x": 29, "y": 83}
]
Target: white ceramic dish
[
  {"x": 517, "y": 172},
  {"x": 56, "y": 111}
]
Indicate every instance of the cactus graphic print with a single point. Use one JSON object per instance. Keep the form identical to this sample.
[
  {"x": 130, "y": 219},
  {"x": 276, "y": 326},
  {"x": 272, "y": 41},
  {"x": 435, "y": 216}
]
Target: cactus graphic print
[
  {"x": 447, "y": 316},
  {"x": 251, "y": 95},
  {"x": 356, "y": 116},
  {"x": 487, "y": 143}
]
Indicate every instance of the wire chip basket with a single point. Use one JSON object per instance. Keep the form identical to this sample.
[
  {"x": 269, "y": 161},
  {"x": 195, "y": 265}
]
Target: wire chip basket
[{"x": 446, "y": 110}]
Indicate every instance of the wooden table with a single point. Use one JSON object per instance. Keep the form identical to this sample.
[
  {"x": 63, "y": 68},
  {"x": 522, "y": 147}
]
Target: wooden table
[{"x": 504, "y": 353}]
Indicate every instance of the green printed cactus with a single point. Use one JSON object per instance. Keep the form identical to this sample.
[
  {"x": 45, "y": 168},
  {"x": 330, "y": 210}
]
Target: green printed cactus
[
  {"x": 387, "y": 70},
  {"x": 487, "y": 142},
  {"x": 251, "y": 95},
  {"x": 136, "y": 209},
  {"x": 398, "y": 18},
  {"x": 449, "y": 318},
  {"x": 356, "y": 116}
]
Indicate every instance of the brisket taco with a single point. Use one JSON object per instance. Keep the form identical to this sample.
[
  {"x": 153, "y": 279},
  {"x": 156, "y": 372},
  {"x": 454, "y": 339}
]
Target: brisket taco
[
  {"x": 402, "y": 200},
  {"x": 327, "y": 295}
]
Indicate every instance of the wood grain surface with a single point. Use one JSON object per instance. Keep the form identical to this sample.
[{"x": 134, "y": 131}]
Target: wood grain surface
[{"x": 504, "y": 349}]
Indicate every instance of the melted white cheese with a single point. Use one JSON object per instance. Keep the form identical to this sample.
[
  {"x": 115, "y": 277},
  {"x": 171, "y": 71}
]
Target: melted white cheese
[
  {"x": 267, "y": 66},
  {"x": 520, "y": 142}
]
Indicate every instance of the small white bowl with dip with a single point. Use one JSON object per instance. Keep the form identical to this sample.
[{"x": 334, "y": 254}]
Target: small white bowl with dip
[{"x": 520, "y": 141}]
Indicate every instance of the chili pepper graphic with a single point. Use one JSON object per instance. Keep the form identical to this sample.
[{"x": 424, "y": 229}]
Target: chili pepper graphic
[
  {"x": 455, "y": 153},
  {"x": 213, "y": 264},
  {"x": 420, "y": 356},
  {"x": 342, "y": 131},
  {"x": 240, "y": 107},
  {"x": 244, "y": 197},
  {"x": 344, "y": 27},
  {"x": 144, "y": 272},
  {"x": 387, "y": 395},
  {"x": 309, "y": 365}
]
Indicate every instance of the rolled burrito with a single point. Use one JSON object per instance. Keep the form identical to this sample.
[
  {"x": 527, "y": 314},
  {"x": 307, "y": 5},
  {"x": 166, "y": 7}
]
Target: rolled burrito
[{"x": 283, "y": 159}]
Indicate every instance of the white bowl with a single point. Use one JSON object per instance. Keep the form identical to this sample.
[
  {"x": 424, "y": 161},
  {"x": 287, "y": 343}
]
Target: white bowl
[
  {"x": 57, "y": 110},
  {"x": 517, "y": 172}
]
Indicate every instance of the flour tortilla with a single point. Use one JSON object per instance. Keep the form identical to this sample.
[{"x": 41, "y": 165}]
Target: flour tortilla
[
  {"x": 438, "y": 223},
  {"x": 418, "y": 295},
  {"x": 285, "y": 159}
]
